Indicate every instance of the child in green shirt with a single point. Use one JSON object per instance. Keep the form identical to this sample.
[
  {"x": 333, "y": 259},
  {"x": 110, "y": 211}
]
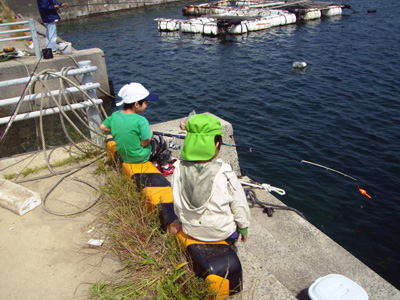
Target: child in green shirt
[{"x": 134, "y": 138}]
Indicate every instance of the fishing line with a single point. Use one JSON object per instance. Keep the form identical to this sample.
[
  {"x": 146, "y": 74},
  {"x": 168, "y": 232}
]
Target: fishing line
[
  {"x": 250, "y": 149},
  {"x": 293, "y": 158}
]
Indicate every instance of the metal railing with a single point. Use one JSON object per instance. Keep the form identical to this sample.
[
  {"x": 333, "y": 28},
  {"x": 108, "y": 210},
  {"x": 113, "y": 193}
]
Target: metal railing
[
  {"x": 33, "y": 32},
  {"x": 87, "y": 84}
]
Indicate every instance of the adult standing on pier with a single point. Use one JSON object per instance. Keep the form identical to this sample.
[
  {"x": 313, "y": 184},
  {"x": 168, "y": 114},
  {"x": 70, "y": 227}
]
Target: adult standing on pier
[{"x": 48, "y": 10}]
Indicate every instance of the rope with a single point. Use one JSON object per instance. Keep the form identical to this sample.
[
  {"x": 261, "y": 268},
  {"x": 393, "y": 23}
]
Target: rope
[
  {"x": 44, "y": 201},
  {"x": 268, "y": 208},
  {"x": 100, "y": 89},
  {"x": 58, "y": 102},
  {"x": 62, "y": 96},
  {"x": 64, "y": 82},
  {"x": 266, "y": 186}
]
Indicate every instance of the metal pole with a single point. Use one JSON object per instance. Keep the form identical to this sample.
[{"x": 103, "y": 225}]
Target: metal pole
[
  {"x": 38, "y": 96},
  {"x": 35, "y": 39},
  {"x": 92, "y": 112},
  {"x": 49, "y": 111},
  {"x": 27, "y": 79}
]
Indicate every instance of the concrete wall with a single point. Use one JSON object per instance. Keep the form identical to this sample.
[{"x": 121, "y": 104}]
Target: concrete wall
[{"x": 80, "y": 8}]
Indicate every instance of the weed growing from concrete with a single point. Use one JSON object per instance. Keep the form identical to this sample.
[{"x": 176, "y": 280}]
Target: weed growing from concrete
[
  {"x": 10, "y": 176},
  {"x": 59, "y": 163},
  {"x": 153, "y": 263}
]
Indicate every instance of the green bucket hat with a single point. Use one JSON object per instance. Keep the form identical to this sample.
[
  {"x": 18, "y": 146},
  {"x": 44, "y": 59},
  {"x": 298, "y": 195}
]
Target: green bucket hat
[{"x": 199, "y": 141}]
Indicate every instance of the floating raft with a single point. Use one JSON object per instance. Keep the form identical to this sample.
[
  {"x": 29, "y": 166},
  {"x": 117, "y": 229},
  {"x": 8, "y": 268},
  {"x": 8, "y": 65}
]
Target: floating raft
[
  {"x": 239, "y": 17},
  {"x": 229, "y": 23},
  {"x": 310, "y": 10},
  {"x": 305, "y": 10},
  {"x": 215, "y": 7}
]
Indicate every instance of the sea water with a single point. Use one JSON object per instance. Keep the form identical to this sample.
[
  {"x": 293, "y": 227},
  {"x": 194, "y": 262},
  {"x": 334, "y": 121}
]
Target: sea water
[{"x": 341, "y": 111}]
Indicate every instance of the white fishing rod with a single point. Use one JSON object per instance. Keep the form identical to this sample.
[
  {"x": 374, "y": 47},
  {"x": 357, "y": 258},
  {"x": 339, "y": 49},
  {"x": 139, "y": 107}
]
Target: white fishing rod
[{"x": 250, "y": 149}]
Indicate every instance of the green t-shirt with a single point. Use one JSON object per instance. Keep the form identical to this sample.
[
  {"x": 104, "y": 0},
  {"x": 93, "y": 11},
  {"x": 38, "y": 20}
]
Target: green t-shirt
[{"x": 128, "y": 130}]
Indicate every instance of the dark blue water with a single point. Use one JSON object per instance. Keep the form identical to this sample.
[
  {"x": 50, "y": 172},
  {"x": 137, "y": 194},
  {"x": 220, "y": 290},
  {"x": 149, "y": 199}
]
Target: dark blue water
[{"x": 342, "y": 111}]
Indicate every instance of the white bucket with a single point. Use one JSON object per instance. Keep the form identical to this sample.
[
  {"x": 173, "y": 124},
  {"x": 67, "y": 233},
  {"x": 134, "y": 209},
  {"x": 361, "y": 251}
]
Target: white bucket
[
  {"x": 65, "y": 48},
  {"x": 336, "y": 287}
]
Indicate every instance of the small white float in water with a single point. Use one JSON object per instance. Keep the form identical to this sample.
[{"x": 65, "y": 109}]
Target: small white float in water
[{"x": 299, "y": 64}]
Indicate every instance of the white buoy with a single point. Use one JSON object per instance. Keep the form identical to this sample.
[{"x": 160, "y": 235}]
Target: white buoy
[{"x": 299, "y": 64}]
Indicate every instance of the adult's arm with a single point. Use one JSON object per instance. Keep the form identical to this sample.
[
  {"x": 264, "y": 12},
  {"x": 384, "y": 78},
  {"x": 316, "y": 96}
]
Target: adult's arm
[{"x": 49, "y": 5}]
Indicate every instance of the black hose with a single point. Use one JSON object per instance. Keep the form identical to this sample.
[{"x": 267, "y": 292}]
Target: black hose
[{"x": 268, "y": 208}]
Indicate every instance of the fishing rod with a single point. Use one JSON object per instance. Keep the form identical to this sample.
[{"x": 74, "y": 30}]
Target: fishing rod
[{"x": 250, "y": 149}]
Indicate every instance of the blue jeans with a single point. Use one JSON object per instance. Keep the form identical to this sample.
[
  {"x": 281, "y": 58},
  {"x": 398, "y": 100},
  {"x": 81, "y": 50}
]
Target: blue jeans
[{"x": 51, "y": 36}]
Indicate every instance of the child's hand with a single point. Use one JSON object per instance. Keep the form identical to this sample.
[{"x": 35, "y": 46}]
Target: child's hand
[
  {"x": 175, "y": 227},
  {"x": 244, "y": 238}
]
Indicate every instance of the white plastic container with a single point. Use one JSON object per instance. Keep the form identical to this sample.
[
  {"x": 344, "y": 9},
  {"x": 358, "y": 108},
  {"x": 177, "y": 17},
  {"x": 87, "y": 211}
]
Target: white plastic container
[
  {"x": 65, "y": 48},
  {"x": 336, "y": 287}
]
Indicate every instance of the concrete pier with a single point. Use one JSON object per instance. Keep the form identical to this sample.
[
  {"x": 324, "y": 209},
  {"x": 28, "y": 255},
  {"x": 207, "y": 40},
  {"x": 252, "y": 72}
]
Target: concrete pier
[{"x": 282, "y": 257}]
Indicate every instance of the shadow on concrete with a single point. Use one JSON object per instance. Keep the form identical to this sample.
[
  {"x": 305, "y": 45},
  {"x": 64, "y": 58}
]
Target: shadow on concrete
[{"x": 303, "y": 295}]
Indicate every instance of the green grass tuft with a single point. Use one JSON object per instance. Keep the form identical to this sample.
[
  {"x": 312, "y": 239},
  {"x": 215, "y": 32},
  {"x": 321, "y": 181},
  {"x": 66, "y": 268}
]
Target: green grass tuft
[{"x": 152, "y": 259}]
